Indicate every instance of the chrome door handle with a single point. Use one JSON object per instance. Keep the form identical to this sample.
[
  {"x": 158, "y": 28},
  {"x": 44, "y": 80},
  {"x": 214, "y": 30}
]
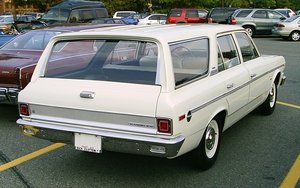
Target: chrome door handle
[
  {"x": 229, "y": 86},
  {"x": 87, "y": 94}
]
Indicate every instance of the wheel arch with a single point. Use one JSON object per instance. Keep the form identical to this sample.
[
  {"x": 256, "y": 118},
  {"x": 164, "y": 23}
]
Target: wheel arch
[
  {"x": 249, "y": 25},
  {"x": 221, "y": 114},
  {"x": 277, "y": 77}
]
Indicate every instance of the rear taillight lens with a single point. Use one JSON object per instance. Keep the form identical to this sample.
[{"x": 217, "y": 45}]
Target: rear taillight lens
[
  {"x": 279, "y": 25},
  {"x": 24, "y": 109},
  {"x": 233, "y": 21},
  {"x": 164, "y": 126}
]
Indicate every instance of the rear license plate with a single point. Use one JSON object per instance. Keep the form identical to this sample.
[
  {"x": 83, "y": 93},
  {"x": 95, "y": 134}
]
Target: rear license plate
[{"x": 86, "y": 142}]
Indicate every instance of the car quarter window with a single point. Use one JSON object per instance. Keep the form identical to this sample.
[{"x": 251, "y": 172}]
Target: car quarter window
[
  {"x": 248, "y": 50},
  {"x": 229, "y": 55},
  {"x": 190, "y": 59}
]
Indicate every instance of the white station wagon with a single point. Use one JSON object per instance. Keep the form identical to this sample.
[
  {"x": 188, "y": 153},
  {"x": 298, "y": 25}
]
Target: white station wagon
[{"x": 152, "y": 90}]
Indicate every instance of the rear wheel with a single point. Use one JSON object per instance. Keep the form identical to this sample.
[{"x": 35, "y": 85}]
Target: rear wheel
[
  {"x": 250, "y": 30},
  {"x": 206, "y": 153},
  {"x": 268, "y": 106},
  {"x": 295, "y": 36}
]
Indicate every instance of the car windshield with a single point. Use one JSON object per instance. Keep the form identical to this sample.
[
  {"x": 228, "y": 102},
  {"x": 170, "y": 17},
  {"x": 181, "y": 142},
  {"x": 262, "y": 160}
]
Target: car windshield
[
  {"x": 33, "y": 40},
  {"x": 58, "y": 14},
  {"x": 115, "y": 60}
]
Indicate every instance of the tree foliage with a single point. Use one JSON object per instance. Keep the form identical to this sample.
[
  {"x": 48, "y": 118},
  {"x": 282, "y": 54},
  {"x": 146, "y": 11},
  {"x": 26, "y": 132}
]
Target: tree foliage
[{"x": 164, "y": 6}]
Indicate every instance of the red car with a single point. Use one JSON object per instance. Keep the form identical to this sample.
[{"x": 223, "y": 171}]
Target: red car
[
  {"x": 186, "y": 15},
  {"x": 19, "y": 57}
]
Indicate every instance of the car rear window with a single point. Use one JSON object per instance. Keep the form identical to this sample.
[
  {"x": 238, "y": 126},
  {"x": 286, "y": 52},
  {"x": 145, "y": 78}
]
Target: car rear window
[{"x": 127, "y": 61}]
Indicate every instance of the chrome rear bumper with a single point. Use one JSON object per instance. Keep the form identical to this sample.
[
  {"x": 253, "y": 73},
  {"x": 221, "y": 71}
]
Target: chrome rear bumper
[
  {"x": 111, "y": 141},
  {"x": 9, "y": 95}
]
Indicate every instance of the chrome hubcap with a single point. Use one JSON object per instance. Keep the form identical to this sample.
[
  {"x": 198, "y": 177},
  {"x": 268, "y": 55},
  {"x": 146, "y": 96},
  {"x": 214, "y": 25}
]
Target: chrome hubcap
[
  {"x": 249, "y": 30},
  {"x": 211, "y": 139},
  {"x": 272, "y": 95},
  {"x": 295, "y": 36}
]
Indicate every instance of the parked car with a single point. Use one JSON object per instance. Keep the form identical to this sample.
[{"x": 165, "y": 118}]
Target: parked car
[
  {"x": 184, "y": 15},
  {"x": 37, "y": 15},
  {"x": 220, "y": 15},
  {"x": 122, "y": 14},
  {"x": 75, "y": 12},
  {"x": 286, "y": 11},
  {"x": 19, "y": 56},
  {"x": 149, "y": 90},
  {"x": 23, "y": 22},
  {"x": 256, "y": 21},
  {"x": 289, "y": 28},
  {"x": 109, "y": 21},
  {"x": 7, "y": 32},
  {"x": 132, "y": 19},
  {"x": 4, "y": 38},
  {"x": 153, "y": 19},
  {"x": 20, "y": 18}
]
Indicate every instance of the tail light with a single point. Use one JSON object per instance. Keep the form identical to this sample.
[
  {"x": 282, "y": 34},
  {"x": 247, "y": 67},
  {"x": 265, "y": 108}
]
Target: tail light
[
  {"x": 233, "y": 21},
  {"x": 164, "y": 126},
  {"x": 24, "y": 109},
  {"x": 279, "y": 25}
]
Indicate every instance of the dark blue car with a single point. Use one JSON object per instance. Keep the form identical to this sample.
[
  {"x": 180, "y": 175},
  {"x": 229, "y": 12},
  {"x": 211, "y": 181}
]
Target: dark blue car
[
  {"x": 5, "y": 38},
  {"x": 133, "y": 19}
]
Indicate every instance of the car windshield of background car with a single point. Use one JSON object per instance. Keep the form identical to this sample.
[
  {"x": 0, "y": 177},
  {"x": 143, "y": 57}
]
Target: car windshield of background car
[
  {"x": 291, "y": 19},
  {"x": 33, "y": 40}
]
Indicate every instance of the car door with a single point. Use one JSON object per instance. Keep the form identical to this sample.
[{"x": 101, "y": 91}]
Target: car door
[
  {"x": 261, "y": 20},
  {"x": 255, "y": 64},
  {"x": 234, "y": 75},
  {"x": 192, "y": 16}
]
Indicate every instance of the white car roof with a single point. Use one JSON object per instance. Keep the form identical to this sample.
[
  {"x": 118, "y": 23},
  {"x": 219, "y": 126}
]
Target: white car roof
[{"x": 167, "y": 33}]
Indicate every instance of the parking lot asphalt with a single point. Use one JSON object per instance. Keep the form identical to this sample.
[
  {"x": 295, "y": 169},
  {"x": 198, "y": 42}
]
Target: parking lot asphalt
[{"x": 259, "y": 151}]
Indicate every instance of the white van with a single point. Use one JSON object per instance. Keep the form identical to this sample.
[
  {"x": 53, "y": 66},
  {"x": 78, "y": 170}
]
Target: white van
[{"x": 122, "y": 14}]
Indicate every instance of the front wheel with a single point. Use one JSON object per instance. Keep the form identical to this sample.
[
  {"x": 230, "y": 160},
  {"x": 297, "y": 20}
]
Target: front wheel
[
  {"x": 268, "y": 106},
  {"x": 206, "y": 153}
]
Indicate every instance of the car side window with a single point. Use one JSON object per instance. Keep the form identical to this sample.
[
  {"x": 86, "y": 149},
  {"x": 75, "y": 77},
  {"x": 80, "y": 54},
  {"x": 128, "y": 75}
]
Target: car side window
[
  {"x": 154, "y": 17},
  {"x": 248, "y": 50},
  {"x": 74, "y": 17},
  {"x": 192, "y": 13},
  {"x": 190, "y": 60},
  {"x": 243, "y": 13},
  {"x": 260, "y": 14},
  {"x": 228, "y": 51},
  {"x": 87, "y": 15}
]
